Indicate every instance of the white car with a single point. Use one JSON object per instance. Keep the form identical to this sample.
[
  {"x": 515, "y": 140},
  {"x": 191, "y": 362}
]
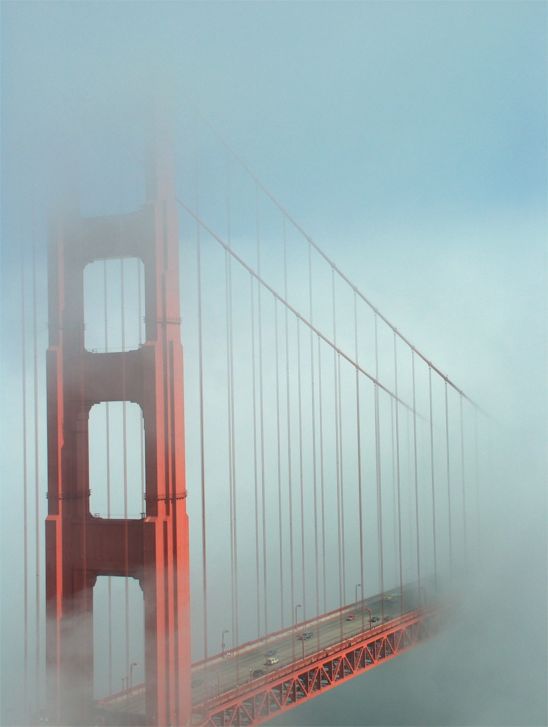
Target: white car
[{"x": 271, "y": 660}]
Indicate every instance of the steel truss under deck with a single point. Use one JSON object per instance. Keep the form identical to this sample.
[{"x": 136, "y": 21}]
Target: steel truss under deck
[{"x": 305, "y": 679}]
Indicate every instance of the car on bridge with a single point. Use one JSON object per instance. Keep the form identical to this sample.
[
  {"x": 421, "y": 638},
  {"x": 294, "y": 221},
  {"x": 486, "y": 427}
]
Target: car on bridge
[
  {"x": 305, "y": 636},
  {"x": 350, "y": 617},
  {"x": 258, "y": 673},
  {"x": 271, "y": 660}
]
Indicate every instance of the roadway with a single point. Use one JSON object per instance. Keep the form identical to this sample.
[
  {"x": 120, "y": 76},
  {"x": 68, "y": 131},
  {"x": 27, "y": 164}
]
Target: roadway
[
  {"x": 222, "y": 673},
  {"x": 236, "y": 667}
]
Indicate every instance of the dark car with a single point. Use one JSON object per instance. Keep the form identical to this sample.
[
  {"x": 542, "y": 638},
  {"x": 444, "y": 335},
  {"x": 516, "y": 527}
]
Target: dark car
[
  {"x": 258, "y": 673},
  {"x": 305, "y": 636},
  {"x": 374, "y": 619}
]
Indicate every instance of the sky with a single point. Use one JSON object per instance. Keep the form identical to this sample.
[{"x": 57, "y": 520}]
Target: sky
[{"x": 410, "y": 141}]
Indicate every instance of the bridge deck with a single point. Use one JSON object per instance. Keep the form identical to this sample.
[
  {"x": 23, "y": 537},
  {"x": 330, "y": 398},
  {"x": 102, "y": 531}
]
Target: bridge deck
[{"x": 220, "y": 679}]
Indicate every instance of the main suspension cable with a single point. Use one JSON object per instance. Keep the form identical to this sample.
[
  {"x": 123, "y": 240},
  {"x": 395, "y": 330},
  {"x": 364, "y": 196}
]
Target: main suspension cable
[
  {"x": 283, "y": 300},
  {"x": 287, "y": 216}
]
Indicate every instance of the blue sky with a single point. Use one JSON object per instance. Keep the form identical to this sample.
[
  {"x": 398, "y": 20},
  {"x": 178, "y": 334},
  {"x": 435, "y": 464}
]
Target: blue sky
[
  {"x": 376, "y": 108},
  {"x": 386, "y": 128}
]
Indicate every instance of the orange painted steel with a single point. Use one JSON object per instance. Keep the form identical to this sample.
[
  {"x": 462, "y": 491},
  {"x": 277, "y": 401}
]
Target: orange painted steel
[
  {"x": 307, "y": 678},
  {"x": 79, "y": 546}
]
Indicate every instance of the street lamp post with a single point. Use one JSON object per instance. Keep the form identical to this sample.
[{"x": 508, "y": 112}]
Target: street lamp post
[
  {"x": 125, "y": 688},
  {"x": 359, "y": 585},
  {"x": 299, "y": 605},
  {"x": 131, "y": 666},
  {"x": 223, "y": 632}
]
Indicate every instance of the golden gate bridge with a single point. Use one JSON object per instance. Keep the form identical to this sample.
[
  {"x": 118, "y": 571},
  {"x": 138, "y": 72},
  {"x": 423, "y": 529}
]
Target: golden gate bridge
[{"x": 291, "y": 522}]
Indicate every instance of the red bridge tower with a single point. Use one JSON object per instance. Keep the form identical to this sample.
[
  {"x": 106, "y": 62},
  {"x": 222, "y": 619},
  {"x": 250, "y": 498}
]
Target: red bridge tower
[{"x": 79, "y": 546}]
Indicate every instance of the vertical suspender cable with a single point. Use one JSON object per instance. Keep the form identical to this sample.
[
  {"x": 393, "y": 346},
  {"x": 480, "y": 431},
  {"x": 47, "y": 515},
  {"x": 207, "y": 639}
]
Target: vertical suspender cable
[
  {"x": 142, "y": 428},
  {"x": 229, "y": 447},
  {"x": 231, "y": 456},
  {"x": 477, "y": 485},
  {"x": 416, "y": 474},
  {"x": 301, "y": 478},
  {"x": 202, "y": 435},
  {"x": 289, "y": 468},
  {"x": 125, "y": 472},
  {"x": 359, "y": 458},
  {"x": 409, "y": 476},
  {"x": 25, "y": 489},
  {"x": 463, "y": 476},
  {"x": 255, "y": 453},
  {"x": 232, "y": 445},
  {"x": 83, "y": 507},
  {"x": 322, "y": 477},
  {"x": 434, "y": 538},
  {"x": 336, "y": 370},
  {"x": 336, "y": 367},
  {"x": 398, "y": 469},
  {"x": 378, "y": 470},
  {"x": 393, "y": 405},
  {"x": 261, "y": 421},
  {"x": 228, "y": 259},
  {"x": 234, "y": 480},
  {"x": 314, "y": 463},
  {"x": 107, "y": 457},
  {"x": 38, "y": 578},
  {"x": 450, "y": 521},
  {"x": 261, "y": 418},
  {"x": 279, "y": 460},
  {"x": 341, "y": 464}
]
